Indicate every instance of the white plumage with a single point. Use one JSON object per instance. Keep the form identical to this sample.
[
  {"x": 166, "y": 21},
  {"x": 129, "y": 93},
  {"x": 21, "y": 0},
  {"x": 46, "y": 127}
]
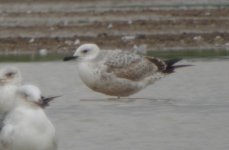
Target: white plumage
[
  {"x": 10, "y": 78},
  {"x": 26, "y": 126},
  {"x": 10, "y": 75}
]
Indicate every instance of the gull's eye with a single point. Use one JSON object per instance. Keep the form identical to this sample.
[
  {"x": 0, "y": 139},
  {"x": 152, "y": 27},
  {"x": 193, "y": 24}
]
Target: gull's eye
[
  {"x": 85, "y": 51},
  {"x": 10, "y": 74}
]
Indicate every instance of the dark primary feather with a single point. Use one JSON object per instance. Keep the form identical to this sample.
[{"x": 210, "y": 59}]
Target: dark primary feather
[
  {"x": 170, "y": 65},
  {"x": 171, "y": 62}
]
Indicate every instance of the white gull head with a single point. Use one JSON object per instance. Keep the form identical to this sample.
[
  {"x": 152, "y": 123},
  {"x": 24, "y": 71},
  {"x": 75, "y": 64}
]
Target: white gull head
[
  {"x": 32, "y": 94},
  {"x": 29, "y": 93},
  {"x": 85, "y": 52},
  {"x": 10, "y": 75}
]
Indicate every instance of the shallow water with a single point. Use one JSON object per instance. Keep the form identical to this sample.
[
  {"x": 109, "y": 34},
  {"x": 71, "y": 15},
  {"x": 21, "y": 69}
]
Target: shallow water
[{"x": 187, "y": 110}]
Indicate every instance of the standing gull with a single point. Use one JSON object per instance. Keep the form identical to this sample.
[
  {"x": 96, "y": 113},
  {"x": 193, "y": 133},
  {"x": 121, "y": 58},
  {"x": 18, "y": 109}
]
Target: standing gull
[
  {"x": 118, "y": 73},
  {"x": 26, "y": 126}
]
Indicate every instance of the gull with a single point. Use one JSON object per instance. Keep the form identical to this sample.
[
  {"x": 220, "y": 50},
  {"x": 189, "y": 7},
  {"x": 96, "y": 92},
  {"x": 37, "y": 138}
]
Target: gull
[
  {"x": 119, "y": 73},
  {"x": 26, "y": 126},
  {"x": 10, "y": 79},
  {"x": 10, "y": 75}
]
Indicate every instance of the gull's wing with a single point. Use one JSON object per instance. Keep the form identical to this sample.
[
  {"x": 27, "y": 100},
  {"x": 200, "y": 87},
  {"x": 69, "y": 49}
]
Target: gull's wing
[{"x": 132, "y": 66}]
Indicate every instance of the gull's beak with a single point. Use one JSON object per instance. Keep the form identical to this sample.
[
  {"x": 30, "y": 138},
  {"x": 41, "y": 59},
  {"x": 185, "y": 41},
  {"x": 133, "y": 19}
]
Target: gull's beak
[
  {"x": 67, "y": 58},
  {"x": 44, "y": 102}
]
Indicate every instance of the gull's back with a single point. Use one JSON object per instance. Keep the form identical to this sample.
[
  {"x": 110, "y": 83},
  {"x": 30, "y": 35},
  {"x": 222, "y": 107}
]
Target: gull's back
[{"x": 129, "y": 65}]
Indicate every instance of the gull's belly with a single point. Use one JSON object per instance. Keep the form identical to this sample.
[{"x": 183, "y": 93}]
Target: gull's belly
[
  {"x": 32, "y": 139},
  {"x": 107, "y": 84},
  {"x": 117, "y": 88},
  {"x": 33, "y": 131},
  {"x": 101, "y": 81}
]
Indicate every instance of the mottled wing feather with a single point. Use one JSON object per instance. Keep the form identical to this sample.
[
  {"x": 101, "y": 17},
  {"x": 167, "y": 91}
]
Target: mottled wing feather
[{"x": 130, "y": 66}]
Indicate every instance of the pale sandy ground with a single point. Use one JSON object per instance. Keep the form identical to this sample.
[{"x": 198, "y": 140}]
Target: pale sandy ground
[{"x": 188, "y": 110}]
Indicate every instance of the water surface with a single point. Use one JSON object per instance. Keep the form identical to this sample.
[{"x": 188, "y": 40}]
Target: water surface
[{"x": 188, "y": 110}]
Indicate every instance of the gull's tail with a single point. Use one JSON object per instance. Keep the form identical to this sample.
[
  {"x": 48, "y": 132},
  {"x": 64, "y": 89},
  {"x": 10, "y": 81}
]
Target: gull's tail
[{"x": 170, "y": 65}]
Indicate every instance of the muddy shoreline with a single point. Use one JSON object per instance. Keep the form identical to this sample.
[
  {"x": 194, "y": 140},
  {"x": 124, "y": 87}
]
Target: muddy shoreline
[{"x": 28, "y": 28}]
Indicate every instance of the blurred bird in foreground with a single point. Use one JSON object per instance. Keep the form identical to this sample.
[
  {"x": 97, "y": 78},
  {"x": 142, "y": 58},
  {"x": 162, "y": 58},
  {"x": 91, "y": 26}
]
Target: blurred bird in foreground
[
  {"x": 10, "y": 79},
  {"x": 119, "y": 73},
  {"x": 26, "y": 126}
]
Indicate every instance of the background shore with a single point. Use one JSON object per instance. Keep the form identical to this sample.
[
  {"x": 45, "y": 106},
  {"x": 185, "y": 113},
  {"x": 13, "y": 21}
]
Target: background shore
[{"x": 60, "y": 26}]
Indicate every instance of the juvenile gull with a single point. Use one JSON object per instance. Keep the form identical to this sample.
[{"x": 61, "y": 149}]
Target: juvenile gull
[
  {"x": 118, "y": 73},
  {"x": 26, "y": 126},
  {"x": 10, "y": 78}
]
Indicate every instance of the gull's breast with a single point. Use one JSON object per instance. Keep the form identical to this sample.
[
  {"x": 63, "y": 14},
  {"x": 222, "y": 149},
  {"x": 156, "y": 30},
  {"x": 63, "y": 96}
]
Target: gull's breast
[{"x": 89, "y": 74}]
